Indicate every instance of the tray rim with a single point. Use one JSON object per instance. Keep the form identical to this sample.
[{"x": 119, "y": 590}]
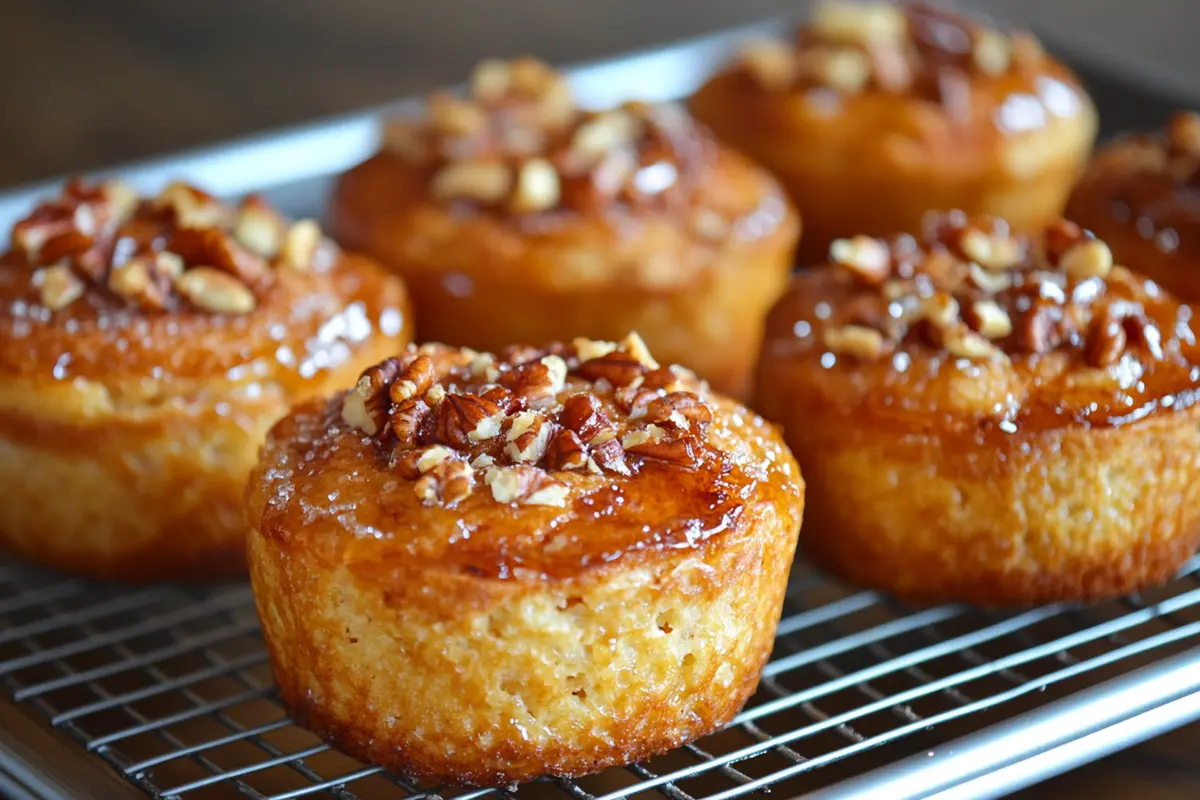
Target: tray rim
[{"x": 324, "y": 146}]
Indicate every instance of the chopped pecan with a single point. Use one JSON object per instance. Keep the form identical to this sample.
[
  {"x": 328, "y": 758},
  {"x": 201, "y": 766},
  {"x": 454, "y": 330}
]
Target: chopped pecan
[
  {"x": 566, "y": 451},
  {"x": 212, "y": 246},
  {"x": 489, "y": 81},
  {"x": 538, "y": 187},
  {"x": 868, "y": 259},
  {"x": 300, "y": 245},
  {"x": 654, "y": 442},
  {"x": 525, "y": 485},
  {"x": 465, "y": 418},
  {"x": 57, "y": 286},
  {"x": 448, "y": 482},
  {"x": 191, "y": 207},
  {"x": 587, "y": 349},
  {"x": 682, "y": 411},
  {"x": 990, "y": 251},
  {"x": 1090, "y": 258},
  {"x": 1106, "y": 340},
  {"x": 366, "y": 405},
  {"x": 989, "y": 319},
  {"x": 1059, "y": 237},
  {"x": 537, "y": 382},
  {"x": 845, "y": 69},
  {"x": 583, "y": 414},
  {"x": 992, "y": 52},
  {"x": 482, "y": 181},
  {"x": 415, "y": 379},
  {"x": 454, "y": 116},
  {"x": 215, "y": 291},
  {"x": 1041, "y": 328},
  {"x": 259, "y": 228},
  {"x": 528, "y": 437},
  {"x": 408, "y": 419},
  {"x": 140, "y": 281},
  {"x": 412, "y": 464},
  {"x": 858, "y": 23},
  {"x": 618, "y": 368},
  {"x": 608, "y": 455},
  {"x": 857, "y": 341}
]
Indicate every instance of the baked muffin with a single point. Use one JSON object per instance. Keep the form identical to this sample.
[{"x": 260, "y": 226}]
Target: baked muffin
[
  {"x": 878, "y": 112},
  {"x": 146, "y": 346},
  {"x": 514, "y": 216},
  {"x": 1140, "y": 195},
  {"x": 482, "y": 569},
  {"x": 985, "y": 417}
]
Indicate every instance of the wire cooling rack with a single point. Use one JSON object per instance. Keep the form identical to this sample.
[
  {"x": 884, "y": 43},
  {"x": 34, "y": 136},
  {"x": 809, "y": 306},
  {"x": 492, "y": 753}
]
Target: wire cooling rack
[{"x": 170, "y": 687}]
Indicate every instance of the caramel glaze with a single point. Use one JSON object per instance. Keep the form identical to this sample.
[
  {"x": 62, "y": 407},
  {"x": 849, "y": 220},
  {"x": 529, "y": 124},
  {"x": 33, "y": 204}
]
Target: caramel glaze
[
  {"x": 922, "y": 388},
  {"x": 385, "y": 206},
  {"x": 305, "y": 325},
  {"x": 330, "y": 489},
  {"x": 1141, "y": 194}
]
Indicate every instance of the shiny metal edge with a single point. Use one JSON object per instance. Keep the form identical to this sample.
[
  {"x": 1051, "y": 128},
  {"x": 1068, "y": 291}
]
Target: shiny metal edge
[
  {"x": 1040, "y": 744},
  {"x": 47, "y": 765}
]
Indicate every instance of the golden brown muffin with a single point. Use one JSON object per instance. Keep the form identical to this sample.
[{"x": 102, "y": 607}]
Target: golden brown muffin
[
  {"x": 516, "y": 217},
  {"x": 988, "y": 418},
  {"x": 879, "y": 112},
  {"x": 1142, "y": 195},
  {"x": 146, "y": 346},
  {"x": 483, "y": 569}
]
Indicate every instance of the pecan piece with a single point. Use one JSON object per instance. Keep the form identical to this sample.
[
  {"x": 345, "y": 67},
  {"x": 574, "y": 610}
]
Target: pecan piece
[
  {"x": 679, "y": 410},
  {"x": 140, "y": 280},
  {"x": 408, "y": 419},
  {"x": 617, "y": 368},
  {"x": 566, "y": 451},
  {"x": 653, "y": 442},
  {"x": 857, "y": 341},
  {"x": 1106, "y": 340},
  {"x": 448, "y": 482},
  {"x": 366, "y": 405},
  {"x": 528, "y": 438},
  {"x": 537, "y": 382},
  {"x": 583, "y": 414},
  {"x": 214, "y": 247},
  {"x": 258, "y": 227},
  {"x": 608, "y": 455},
  {"x": 868, "y": 259},
  {"x": 414, "y": 379},
  {"x": 57, "y": 286},
  {"x": 526, "y": 485},
  {"x": 463, "y": 419},
  {"x": 215, "y": 291},
  {"x": 300, "y": 245},
  {"x": 414, "y": 463},
  {"x": 192, "y": 207}
]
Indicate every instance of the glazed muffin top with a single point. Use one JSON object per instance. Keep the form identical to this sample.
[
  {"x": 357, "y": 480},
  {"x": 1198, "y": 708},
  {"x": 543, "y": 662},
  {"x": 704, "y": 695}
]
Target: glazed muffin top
[
  {"x": 543, "y": 460},
  {"x": 973, "y": 325},
  {"x": 519, "y": 144},
  {"x": 1151, "y": 182},
  {"x": 948, "y": 69},
  {"x": 100, "y": 281}
]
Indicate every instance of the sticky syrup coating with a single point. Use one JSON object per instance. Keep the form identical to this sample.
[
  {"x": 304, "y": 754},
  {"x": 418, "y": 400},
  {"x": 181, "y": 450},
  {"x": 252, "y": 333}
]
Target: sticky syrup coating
[
  {"x": 1055, "y": 460},
  {"x": 637, "y": 219},
  {"x": 150, "y": 418},
  {"x": 916, "y": 108},
  {"x": 1139, "y": 194},
  {"x": 524, "y": 631}
]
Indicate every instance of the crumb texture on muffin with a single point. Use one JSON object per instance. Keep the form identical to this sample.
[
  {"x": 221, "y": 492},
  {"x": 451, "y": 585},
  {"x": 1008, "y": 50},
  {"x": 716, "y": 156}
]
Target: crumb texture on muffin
[
  {"x": 989, "y": 417},
  {"x": 563, "y": 558}
]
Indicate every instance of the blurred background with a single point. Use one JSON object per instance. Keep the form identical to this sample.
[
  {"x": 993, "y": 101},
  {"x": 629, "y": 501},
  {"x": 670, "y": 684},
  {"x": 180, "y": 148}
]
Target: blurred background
[{"x": 90, "y": 83}]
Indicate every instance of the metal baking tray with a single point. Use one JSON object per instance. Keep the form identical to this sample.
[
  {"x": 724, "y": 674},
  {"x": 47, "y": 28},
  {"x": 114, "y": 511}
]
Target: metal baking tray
[{"x": 119, "y": 692}]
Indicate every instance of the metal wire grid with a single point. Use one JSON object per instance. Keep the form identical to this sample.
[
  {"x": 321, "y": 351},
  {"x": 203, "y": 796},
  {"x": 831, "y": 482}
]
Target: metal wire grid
[{"x": 170, "y": 686}]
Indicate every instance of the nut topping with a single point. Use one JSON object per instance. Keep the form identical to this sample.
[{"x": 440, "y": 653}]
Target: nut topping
[
  {"x": 975, "y": 291},
  {"x": 851, "y": 47},
  {"x": 519, "y": 145},
  {"x": 57, "y": 286},
  {"x": 183, "y": 246},
  {"x": 215, "y": 291},
  {"x": 438, "y": 408}
]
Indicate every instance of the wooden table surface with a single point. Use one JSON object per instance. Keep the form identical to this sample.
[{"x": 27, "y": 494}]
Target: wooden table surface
[{"x": 91, "y": 83}]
